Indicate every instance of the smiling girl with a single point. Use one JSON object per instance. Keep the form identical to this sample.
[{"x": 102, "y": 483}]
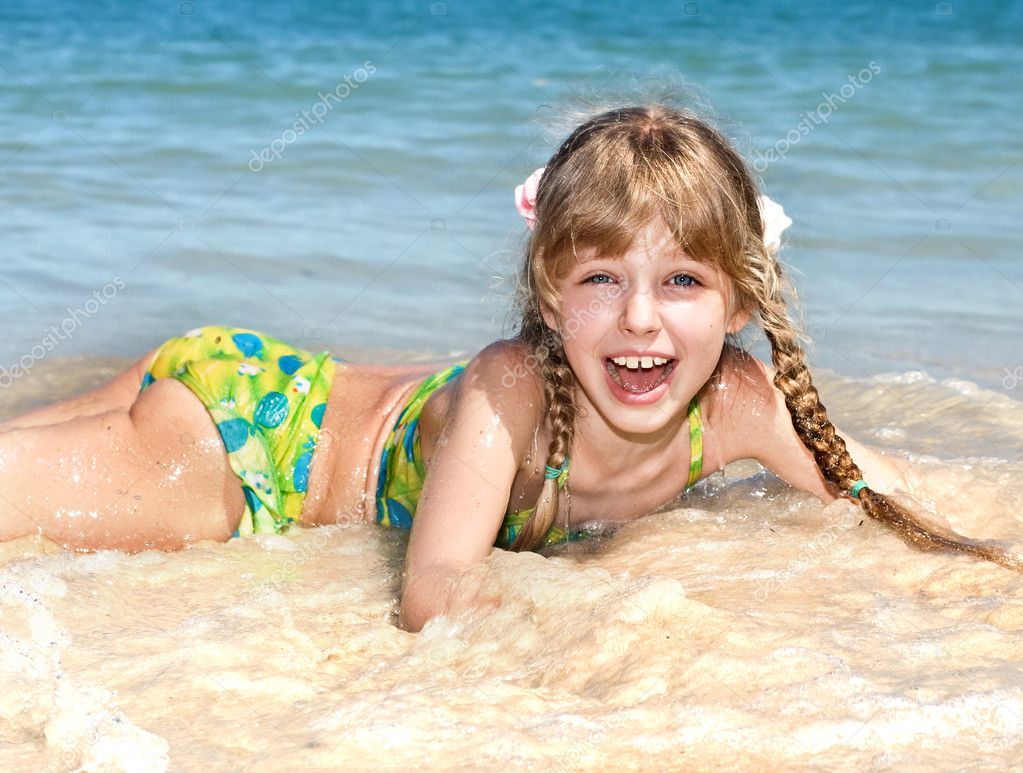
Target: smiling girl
[{"x": 648, "y": 250}]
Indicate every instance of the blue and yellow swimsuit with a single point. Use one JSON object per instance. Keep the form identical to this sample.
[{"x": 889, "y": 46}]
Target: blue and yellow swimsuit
[
  {"x": 402, "y": 470},
  {"x": 268, "y": 398}
]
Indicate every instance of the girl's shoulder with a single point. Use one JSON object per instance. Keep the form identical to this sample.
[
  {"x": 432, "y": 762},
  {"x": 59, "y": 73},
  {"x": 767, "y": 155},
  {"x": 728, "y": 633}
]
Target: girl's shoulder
[
  {"x": 502, "y": 380},
  {"x": 507, "y": 370},
  {"x": 510, "y": 374},
  {"x": 739, "y": 373},
  {"x": 736, "y": 404},
  {"x": 514, "y": 364}
]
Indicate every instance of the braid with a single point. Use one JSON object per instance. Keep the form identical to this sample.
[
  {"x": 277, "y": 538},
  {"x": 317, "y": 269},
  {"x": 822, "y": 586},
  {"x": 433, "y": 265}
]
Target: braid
[
  {"x": 625, "y": 168},
  {"x": 818, "y": 434},
  {"x": 559, "y": 396}
]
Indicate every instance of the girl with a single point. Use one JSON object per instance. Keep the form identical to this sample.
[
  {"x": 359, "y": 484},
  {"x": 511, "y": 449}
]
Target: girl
[{"x": 647, "y": 252}]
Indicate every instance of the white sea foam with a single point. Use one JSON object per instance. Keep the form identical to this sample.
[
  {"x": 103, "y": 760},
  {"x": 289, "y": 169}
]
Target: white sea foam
[{"x": 750, "y": 620}]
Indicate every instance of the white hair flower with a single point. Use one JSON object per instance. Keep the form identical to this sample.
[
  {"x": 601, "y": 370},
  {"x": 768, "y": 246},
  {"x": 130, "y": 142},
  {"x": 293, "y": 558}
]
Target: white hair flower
[
  {"x": 525, "y": 197},
  {"x": 775, "y": 222}
]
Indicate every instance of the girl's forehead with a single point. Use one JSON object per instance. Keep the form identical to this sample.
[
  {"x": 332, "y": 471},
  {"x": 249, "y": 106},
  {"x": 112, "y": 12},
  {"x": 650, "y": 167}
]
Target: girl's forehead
[{"x": 652, "y": 242}]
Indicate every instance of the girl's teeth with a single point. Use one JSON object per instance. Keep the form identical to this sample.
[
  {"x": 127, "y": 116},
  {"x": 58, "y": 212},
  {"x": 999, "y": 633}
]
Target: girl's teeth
[
  {"x": 668, "y": 367},
  {"x": 639, "y": 362}
]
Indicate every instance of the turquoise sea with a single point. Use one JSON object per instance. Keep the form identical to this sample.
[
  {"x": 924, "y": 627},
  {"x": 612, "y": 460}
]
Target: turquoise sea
[
  {"x": 128, "y": 133},
  {"x": 340, "y": 175}
]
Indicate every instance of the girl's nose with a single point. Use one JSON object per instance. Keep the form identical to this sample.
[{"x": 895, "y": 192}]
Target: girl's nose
[{"x": 640, "y": 315}]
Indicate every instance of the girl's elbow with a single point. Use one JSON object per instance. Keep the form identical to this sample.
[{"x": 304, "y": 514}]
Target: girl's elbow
[
  {"x": 408, "y": 621},
  {"x": 424, "y": 596},
  {"x": 414, "y": 613},
  {"x": 801, "y": 472}
]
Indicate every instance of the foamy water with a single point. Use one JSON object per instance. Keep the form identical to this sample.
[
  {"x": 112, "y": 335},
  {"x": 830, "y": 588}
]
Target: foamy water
[{"x": 750, "y": 628}]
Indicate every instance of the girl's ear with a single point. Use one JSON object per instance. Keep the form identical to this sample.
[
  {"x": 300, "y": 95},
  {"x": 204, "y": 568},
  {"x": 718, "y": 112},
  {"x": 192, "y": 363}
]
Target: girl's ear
[
  {"x": 740, "y": 313},
  {"x": 549, "y": 317},
  {"x": 739, "y": 319}
]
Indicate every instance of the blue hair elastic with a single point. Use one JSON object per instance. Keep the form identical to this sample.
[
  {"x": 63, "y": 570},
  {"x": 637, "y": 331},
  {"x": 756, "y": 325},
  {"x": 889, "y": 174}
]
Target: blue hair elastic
[
  {"x": 857, "y": 487},
  {"x": 552, "y": 472}
]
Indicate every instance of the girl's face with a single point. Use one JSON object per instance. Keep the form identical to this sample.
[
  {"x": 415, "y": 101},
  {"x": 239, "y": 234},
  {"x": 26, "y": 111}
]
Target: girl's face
[{"x": 653, "y": 302}]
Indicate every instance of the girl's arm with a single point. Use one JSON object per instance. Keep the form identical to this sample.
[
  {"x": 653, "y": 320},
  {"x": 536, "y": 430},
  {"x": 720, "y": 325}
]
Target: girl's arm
[
  {"x": 757, "y": 425},
  {"x": 496, "y": 405}
]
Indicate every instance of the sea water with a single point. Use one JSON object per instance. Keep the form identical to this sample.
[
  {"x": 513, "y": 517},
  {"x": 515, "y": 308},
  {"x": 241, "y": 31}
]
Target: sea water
[
  {"x": 150, "y": 186},
  {"x": 750, "y": 628}
]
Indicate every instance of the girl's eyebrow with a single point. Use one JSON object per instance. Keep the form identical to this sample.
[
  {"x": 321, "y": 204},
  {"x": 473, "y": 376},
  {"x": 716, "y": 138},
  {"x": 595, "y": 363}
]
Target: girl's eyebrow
[
  {"x": 585, "y": 264},
  {"x": 689, "y": 260},
  {"x": 591, "y": 255},
  {"x": 682, "y": 255},
  {"x": 673, "y": 256}
]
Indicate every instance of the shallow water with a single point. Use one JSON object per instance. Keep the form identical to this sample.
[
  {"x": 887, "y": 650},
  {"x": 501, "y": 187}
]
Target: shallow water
[
  {"x": 127, "y": 133},
  {"x": 750, "y": 628}
]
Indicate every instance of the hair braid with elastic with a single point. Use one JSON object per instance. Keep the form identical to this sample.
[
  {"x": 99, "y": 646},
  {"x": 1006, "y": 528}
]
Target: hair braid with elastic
[
  {"x": 815, "y": 430},
  {"x": 559, "y": 396},
  {"x": 617, "y": 172}
]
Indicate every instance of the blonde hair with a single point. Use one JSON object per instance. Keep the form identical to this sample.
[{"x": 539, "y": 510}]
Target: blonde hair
[{"x": 614, "y": 174}]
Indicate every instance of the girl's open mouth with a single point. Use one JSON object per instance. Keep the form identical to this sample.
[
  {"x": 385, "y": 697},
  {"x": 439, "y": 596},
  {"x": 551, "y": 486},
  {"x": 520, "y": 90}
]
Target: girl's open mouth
[{"x": 639, "y": 380}]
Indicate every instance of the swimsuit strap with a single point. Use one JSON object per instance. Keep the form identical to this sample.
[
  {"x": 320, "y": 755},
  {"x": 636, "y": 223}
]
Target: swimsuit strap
[
  {"x": 513, "y": 521},
  {"x": 562, "y": 476},
  {"x": 402, "y": 471},
  {"x": 695, "y": 442}
]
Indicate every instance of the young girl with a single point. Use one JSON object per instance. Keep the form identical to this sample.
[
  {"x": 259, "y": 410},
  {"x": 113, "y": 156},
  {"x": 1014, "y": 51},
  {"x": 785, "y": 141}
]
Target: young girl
[{"x": 647, "y": 250}]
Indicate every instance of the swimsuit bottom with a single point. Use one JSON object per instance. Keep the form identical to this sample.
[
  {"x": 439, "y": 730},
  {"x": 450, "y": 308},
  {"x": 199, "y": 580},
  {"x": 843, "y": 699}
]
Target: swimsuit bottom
[{"x": 267, "y": 400}]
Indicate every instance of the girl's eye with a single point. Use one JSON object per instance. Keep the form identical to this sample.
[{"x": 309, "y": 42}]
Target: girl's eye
[
  {"x": 594, "y": 279},
  {"x": 686, "y": 280}
]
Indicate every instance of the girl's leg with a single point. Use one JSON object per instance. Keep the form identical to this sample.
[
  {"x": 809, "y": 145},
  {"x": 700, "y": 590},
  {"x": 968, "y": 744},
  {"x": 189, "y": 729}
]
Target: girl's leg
[
  {"x": 117, "y": 394},
  {"x": 152, "y": 475}
]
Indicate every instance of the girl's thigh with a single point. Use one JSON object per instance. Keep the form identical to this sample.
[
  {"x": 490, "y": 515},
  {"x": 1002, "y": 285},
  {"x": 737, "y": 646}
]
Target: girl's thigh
[
  {"x": 118, "y": 393},
  {"x": 153, "y": 476},
  {"x": 191, "y": 488}
]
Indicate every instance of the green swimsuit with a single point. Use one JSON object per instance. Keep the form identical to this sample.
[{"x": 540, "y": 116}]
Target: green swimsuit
[
  {"x": 402, "y": 471},
  {"x": 268, "y": 398}
]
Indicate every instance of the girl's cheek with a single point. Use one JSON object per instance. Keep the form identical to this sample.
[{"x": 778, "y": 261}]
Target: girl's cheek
[{"x": 609, "y": 294}]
